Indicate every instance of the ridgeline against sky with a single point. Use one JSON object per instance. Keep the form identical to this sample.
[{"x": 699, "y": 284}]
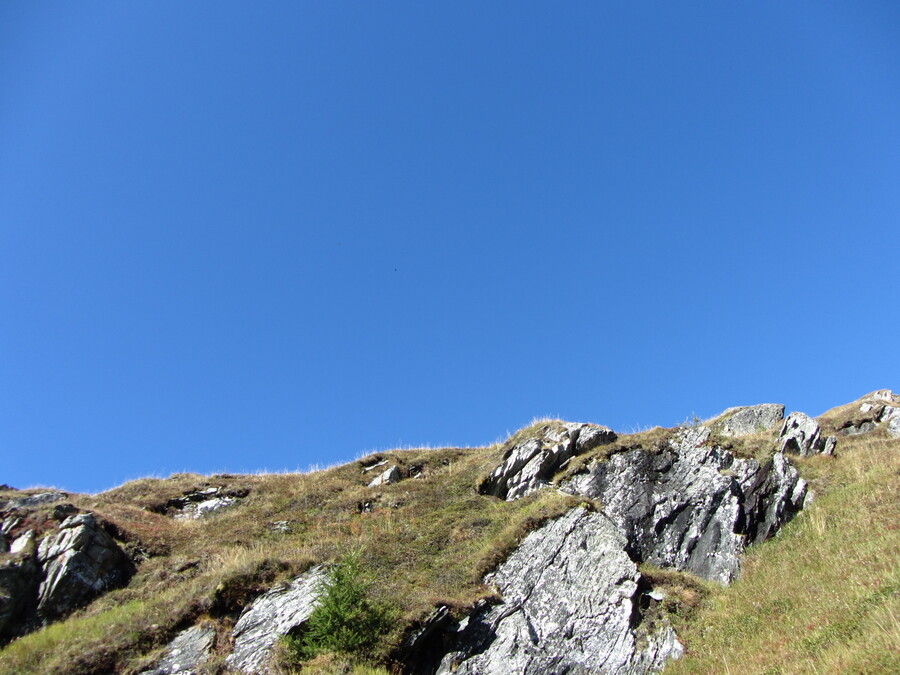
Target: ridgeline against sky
[{"x": 237, "y": 237}]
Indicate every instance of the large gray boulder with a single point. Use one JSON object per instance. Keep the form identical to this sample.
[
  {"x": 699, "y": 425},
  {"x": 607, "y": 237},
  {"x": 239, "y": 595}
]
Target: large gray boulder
[
  {"x": 746, "y": 420},
  {"x": 693, "y": 506},
  {"x": 78, "y": 563},
  {"x": 529, "y": 465},
  {"x": 189, "y": 650},
  {"x": 271, "y": 616},
  {"x": 568, "y": 606},
  {"x": 801, "y": 434}
]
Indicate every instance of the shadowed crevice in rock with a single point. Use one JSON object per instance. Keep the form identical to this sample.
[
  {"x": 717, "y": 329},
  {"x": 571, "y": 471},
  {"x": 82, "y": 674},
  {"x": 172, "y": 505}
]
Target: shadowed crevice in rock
[
  {"x": 692, "y": 506},
  {"x": 69, "y": 568}
]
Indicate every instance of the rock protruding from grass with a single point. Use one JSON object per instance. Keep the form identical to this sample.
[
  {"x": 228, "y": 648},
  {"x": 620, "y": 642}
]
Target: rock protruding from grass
[
  {"x": 743, "y": 421},
  {"x": 568, "y": 605},
  {"x": 195, "y": 504},
  {"x": 529, "y": 464},
  {"x": 78, "y": 564},
  {"x": 891, "y": 420},
  {"x": 272, "y": 616},
  {"x": 389, "y": 476},
  {"x": 189, "y": 650},
  {"x": 801, "y": 434},
  {"x": 693, "y": 506}
]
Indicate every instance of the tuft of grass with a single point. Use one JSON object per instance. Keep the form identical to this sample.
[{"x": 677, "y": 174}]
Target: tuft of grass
[{"x": 823, "y": 596}]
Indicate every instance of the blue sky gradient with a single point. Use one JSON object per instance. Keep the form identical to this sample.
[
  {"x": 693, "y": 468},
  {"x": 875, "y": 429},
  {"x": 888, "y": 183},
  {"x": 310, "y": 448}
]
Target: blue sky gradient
[{"x": 245, "y": 236}]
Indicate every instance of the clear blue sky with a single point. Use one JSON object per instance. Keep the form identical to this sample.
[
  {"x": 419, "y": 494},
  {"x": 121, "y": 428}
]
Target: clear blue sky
[{"x": 243, "y": 236}]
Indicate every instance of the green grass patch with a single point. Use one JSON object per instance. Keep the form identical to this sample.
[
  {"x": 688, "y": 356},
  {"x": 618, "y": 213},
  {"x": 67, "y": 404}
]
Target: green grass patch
[{"x": 823, "y": 596}]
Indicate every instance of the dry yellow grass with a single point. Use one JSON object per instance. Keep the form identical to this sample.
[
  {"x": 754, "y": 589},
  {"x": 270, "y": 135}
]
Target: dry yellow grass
[{"x": 824, "y": 596}]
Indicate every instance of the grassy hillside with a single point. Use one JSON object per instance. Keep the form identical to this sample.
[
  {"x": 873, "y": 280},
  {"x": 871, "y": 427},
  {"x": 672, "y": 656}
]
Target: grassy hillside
[
  {"x": 425, "y": 541},
  {"x": 822, "y": 597}
]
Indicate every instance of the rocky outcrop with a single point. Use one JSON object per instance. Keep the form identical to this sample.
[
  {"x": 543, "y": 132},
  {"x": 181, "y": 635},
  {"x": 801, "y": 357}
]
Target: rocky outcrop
[
  {"x": 529, "y": 465},
  {"x": 30, "y": 501},
  {"x": 187, "y": 652},
  {"x": 196, "y": 504},
  {"x": 743, "y": 421},
  {"x": 271, "y": 616},
  {"x": 693, "y": 506},
  {"x": 389, "y": 476},
  {"x": 801, "y": 434},
  {"x": 43, "y": 582},
  {"x": 78, "y": 564},
  {"x": 569, "y": 595},
  {"x": 891, "y": 420}
]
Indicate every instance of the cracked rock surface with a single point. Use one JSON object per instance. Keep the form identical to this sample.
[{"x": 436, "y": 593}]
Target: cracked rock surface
[
  {"x": 568, "y": 595},
  {"x": 273, "y": 614},
  {"x": 78, "y": 564},
  {"x": 693, "y": 506},
  {"x": 189, "y": 650},
  {"x": 529, "y": 465},
  {"x": 801, "y": 434}
]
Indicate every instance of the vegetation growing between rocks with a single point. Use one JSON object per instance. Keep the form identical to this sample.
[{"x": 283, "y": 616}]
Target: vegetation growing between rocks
[
  {"x": 346, "y": 621},
  {"x": 427, "y": 541},
  {"x": 824, "y": 596}
]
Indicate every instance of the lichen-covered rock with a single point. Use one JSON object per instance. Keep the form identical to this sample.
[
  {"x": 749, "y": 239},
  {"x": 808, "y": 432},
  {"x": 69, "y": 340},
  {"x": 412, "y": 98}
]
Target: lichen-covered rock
[
  {"x": 529, "y": 465},
  {"x": 693, "y": 506},
  {"x": 568, "y": 606},
  {"x": 269, "y": 617},
  {"x": 78, "y": 564},
  {"x": 801, "y": 434},
  {"x": 742, "y": 421},
  {"x": 387, "y": 477},
  {"x": 189, "y": 650}
]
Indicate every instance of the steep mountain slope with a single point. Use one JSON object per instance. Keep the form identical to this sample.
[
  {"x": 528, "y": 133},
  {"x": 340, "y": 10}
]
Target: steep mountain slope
[{"x": 479, "y": 562}]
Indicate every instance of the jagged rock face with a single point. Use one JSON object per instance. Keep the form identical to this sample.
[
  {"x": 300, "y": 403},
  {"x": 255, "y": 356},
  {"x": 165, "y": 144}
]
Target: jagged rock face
[
  {"x": 801, "y": 434},
  {"x": 568, "y": 606},
  {"x": 269, "y": 617},
  {"x": 529, "y": 465},
  {"x": 188, "y": 651},
  {"x": 692, "y": 506},
  {"x": 751, "y": 419},
  {"x": 66, "y": 571},
  {"x": 78, "y": 564}
]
